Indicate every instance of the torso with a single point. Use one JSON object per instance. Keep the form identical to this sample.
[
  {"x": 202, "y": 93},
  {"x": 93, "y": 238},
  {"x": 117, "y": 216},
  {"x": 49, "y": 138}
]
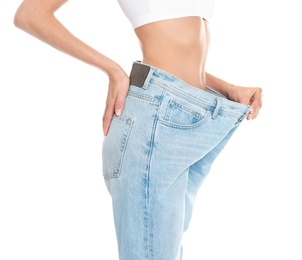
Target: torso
[{"x": 178, "y": 46}]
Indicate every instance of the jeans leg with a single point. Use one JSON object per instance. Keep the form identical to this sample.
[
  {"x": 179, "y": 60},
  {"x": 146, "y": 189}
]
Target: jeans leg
[
  {"x": 155, "y": 158},
  {"x": 197, "y": 174}
]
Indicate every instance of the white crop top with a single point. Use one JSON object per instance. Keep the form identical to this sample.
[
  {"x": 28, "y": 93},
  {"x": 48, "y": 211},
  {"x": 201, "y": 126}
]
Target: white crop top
[{"x": 140, "y": 12}]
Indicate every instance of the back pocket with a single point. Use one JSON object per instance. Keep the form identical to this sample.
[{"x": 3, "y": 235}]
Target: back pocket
[{"x": 114, "y": 146}]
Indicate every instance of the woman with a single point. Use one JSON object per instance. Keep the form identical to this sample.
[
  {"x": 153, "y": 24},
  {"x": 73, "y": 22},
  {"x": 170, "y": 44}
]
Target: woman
[{"x": 164, "y": 124}]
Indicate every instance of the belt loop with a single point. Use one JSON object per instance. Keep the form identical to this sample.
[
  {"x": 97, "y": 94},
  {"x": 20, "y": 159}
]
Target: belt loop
[
  {"x": 217, "y": 107},
  {"x": 150, "y": 74}
]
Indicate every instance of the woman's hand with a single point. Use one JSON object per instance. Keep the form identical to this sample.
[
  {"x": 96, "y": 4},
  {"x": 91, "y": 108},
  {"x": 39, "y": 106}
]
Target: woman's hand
[
  {"x": 249, "y": 96},
  {"x": 37, "y": 18},
  {"x": 117, "y": 93}
]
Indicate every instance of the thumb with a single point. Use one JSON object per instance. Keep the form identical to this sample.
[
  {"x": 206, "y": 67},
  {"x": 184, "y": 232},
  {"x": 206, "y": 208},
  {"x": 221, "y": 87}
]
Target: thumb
[{"x": 256, "y": 104}]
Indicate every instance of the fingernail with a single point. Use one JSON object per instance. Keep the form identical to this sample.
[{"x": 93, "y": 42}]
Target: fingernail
[{"x": 118, "y": 112}]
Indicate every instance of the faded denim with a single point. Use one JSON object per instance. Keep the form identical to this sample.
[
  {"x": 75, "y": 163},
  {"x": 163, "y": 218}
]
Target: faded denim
[{"x": 155, "y": 157}]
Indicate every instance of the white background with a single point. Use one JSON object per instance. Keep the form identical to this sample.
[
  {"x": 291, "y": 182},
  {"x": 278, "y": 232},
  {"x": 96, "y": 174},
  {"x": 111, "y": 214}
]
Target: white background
[{"x": 53, "y": 202}]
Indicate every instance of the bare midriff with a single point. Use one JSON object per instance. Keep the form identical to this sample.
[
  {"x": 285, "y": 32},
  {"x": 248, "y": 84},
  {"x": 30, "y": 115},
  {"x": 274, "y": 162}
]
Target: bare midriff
[{"x": 178, "y": 46}]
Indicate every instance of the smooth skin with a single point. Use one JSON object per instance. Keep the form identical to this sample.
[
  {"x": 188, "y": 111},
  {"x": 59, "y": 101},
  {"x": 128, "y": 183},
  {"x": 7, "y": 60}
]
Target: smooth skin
[{"x": 161, "y": 45}]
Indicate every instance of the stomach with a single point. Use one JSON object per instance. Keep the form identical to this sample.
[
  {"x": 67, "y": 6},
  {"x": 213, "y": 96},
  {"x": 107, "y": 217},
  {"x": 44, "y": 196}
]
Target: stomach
[{"x": 178, "y": 46}]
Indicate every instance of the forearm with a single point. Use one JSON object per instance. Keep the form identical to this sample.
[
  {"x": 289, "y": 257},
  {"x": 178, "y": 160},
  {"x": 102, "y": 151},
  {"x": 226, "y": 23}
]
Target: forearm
[
  {"x": 42, "y": 24},
  {"x": 218, "y": 85}
]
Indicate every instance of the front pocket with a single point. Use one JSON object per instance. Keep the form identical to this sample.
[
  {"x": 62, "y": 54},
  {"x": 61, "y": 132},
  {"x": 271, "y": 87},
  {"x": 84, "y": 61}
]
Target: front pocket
[
  {"x": 114, "y": 146},
  {"x": 179, "y": 115}
]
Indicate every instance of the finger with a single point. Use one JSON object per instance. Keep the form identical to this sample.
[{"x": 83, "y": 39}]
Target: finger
[
  {"x": 250, "y": 114},
  {"x": 108, "y": 115},
  {"x": 107, "y": 118},
  {"x": 120, "y": 101},
  {"x": 256, "y": 104}
]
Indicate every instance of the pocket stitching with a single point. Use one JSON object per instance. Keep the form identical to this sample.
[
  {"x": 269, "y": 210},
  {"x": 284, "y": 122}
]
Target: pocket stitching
[
  {"x": 179, "y": 126},
  {"x": 116, "y": 169},
  {"x": 174, "y": 104}
]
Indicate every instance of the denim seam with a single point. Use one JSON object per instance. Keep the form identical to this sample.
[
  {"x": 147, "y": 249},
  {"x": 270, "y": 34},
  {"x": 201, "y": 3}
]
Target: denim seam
[
  {"x": 144, "y": 97},
  {"x": 149, "y": 227},
  {"x": 148, "y": 221}
]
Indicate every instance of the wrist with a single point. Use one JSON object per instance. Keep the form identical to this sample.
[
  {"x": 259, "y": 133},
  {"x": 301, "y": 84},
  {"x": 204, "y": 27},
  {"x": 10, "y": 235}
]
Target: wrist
[
  {"x": 112, "y": 68},
  {"x": 116, "y": 74},
  {"x": 219, "y": 85},
  {"x": 227, "y": 90}
]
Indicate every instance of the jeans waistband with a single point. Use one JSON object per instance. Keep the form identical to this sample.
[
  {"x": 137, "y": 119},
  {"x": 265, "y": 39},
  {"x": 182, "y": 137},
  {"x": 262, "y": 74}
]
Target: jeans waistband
[{"x": 143, "y": 74}]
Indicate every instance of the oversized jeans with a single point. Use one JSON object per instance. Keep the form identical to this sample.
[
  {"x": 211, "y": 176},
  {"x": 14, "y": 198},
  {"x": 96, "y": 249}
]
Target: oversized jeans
[{"x": 157, "y": 154}]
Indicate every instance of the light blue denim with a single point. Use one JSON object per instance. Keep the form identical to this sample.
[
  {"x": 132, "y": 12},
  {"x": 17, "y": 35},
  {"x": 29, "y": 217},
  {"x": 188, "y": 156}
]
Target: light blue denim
[{"x": 155, "y": 157}]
